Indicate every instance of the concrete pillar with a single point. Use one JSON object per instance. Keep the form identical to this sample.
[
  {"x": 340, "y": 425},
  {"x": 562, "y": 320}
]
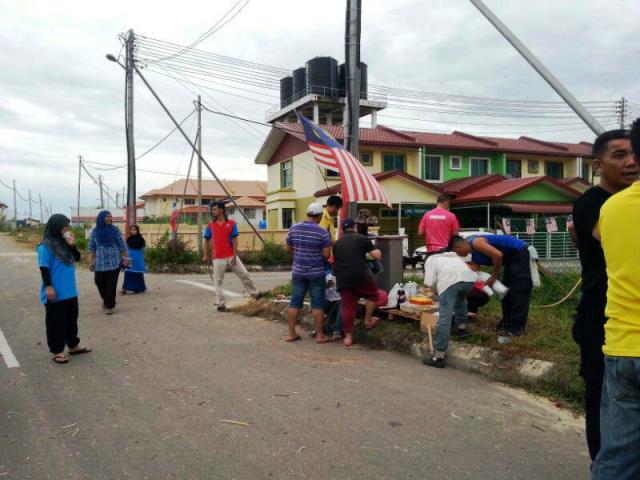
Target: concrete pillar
[
  {"x": 374, "y": 119},
  {"x": 316, "y": 113},
  {"x": 329, "y": 118},
  {"x": 579, "y": 167}
]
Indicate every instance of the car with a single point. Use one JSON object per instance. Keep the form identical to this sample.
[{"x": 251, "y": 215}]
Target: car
[{"x": 422, "y": 251}]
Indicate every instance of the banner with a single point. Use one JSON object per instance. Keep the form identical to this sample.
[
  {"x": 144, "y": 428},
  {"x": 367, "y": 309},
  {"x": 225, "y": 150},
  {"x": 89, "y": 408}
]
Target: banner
[
  {"x": 551, "y": 224},
  {"x": 506, "y": 224},
  {"x": 531, "y": 226}
]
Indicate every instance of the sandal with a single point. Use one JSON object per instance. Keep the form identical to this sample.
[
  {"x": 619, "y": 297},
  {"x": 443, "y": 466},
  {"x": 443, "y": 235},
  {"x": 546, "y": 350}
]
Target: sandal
[
  {"x": 79, "y": 351},
  {"x": 294, "y": 339},
  {"x": 60, "y": 358},
  {"x": 373, "y": 323}
]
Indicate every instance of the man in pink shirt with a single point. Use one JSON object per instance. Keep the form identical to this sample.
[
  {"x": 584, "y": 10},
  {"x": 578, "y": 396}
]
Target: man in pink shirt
[{"x": 438, "y": 226}]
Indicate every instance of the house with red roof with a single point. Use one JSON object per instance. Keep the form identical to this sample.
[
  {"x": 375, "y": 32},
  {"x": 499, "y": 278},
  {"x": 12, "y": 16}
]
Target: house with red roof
[{"x": 489, "y": 177}]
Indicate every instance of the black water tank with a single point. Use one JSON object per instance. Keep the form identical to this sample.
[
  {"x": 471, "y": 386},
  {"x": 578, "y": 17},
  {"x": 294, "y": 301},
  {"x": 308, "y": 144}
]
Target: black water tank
[
  {"x": 299, "y": 83},
  {"x": 342, "y": 79},
  {"x": 322, "y": 76},
  {"x": 286, "y": 91}
]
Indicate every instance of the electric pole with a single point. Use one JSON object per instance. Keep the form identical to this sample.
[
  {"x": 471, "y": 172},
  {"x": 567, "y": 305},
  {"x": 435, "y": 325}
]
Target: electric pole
[
  {"x": 101, "y": 192},
  {"x": 199, "y": 201},
  {"x": 130, "y": 215},
  {"x": 30, "y": 211},
  {"x": 352, "y": 67},
  {"x": 15, "y": 206},
  {"x": 40, "y": 203},
  {"x": 79, "y": 179}
]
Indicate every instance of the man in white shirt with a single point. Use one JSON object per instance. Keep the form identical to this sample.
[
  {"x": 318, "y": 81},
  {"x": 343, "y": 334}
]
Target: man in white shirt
[{"x": 452, "y": 278}]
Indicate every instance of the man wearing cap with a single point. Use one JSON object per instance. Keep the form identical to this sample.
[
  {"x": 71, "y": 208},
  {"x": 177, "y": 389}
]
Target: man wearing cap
[
  {"x": 354, "y": 278},
  {"x": 311, "y": 247}
]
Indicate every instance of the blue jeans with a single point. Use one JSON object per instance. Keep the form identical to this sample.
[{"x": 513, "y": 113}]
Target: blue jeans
[
  {"x": 453, "y": 302},
  {"x": 619, "y": 456},
  {"x": 315, "y": 287}
]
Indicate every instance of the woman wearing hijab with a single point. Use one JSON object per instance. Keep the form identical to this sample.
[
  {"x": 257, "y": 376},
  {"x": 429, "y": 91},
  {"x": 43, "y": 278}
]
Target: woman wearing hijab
[
  {"x": 107, "y": 253},
  {"x": 57, "y": 255},
  {"x": 134, "y": 275}
]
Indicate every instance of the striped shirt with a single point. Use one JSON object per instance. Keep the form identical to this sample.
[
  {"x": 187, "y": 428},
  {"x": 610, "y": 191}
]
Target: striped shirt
[{"x": 307, "y": 239}]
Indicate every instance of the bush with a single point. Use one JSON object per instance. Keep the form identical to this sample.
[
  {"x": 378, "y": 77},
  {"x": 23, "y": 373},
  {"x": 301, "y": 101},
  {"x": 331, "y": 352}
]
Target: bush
[
  {"x": 170, "y": 250},
  {"x": 81, "y": 237},
  {"x": 272, "y": 254}
]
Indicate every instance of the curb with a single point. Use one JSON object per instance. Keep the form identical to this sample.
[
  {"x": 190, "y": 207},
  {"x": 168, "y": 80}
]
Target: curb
[{"x": 490, "y": 363}]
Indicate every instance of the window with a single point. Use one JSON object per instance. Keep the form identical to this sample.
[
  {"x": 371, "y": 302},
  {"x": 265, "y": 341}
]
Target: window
[
  {"x": 455, "y": 163},
  {"x": 478, "y": 166},
  {"x": 533, "y": 166},
  {"x": 393, "y": 162},
  {"x": 250, "y": 213},
  {"x": 431, "y": 168},
  {"x": 287, "y": 217},
  {"x": 586, "y": 174},
  {"x": 206, "y": 201},
  {"x": 286, "y": 174},
  {"x": 331, "y": 174},
  {"x": 189, "y": 201},
  {"x": 366, "y": 159},
  {"x": 554, "y": 169},
  {"x": 514, "y": 168},
  {"x": 164, "y": 199}
]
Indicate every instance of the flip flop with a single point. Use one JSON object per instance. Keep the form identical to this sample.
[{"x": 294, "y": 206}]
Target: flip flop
[
  {"x": 373, "y": 323},
  {"x": 60, "y": 358},
  {"x": 294, "y": 339},
  {"x": 78, "y": 352},
  {"x": 326, "y": 340}
]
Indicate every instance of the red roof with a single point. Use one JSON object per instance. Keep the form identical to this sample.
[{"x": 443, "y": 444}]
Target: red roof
[
  {"x": 573, "y": 180},
  {"x": 540, "y": 207},
  {"x": 456, "y": 140},
  {"x": 467, "y": 184},
  {"x": 381, "y": 177},
  {"x": 498, "y": 190}
]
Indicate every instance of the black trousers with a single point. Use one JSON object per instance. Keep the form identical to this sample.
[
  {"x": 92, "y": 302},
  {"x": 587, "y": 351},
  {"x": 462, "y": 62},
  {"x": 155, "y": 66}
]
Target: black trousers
[
  {"x": 107, "y": 283},
  {"x": 62, "y": 324},
  {"x": 588, "y": 332},
  {"x": 515, "y": 306}
]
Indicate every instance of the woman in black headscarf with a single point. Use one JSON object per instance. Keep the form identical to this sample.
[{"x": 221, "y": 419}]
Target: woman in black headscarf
[
  {"x": 57, "y": 255},
  {"x": 134, "y": 274}
]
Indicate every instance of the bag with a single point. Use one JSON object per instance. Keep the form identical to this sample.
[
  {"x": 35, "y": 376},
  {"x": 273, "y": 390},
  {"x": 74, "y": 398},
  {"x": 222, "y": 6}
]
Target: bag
[{"x": 375, "y": 266}]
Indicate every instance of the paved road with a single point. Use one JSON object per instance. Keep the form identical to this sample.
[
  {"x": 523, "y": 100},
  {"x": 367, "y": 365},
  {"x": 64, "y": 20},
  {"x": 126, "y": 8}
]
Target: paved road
[{"x": 168, "y": 375}]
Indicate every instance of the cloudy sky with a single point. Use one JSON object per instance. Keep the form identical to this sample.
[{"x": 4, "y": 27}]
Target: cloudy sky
[{"x": 60, "y": 98}]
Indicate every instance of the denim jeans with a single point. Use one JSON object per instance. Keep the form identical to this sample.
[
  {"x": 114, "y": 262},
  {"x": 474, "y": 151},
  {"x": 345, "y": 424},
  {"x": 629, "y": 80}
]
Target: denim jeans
[
  {"x": 333, "y": 321},
  {"x": 619, "y": 456},
  {"x": 316, "y": 288},
  {"x": 453, "y": 302}
]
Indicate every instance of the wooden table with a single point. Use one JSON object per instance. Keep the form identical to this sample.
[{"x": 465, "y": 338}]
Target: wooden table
[{"x": 427, "y": 315}]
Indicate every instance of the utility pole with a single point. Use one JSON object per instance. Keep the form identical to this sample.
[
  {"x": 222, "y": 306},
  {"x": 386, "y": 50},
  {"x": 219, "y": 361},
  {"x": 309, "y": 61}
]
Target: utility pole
[
  {"x": 30, "y": 211},
  {"x": 199, "y": 201},
  {"x": 622, "y": 111},
  {"x": 40, "y": 203},
  {"x": 15, "y": 206},
  {"x": 79, "y": 179},
  {"x": 101, "y": 192},
  {"x": 539, "y": 67},
  {"x": 130, "y": 215},
  {"x": 352, "y": 66}
]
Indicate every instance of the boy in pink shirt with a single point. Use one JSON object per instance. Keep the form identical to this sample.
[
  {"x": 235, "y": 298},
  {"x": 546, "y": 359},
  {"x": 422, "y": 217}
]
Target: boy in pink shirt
[{"x": 438, "y": 226}]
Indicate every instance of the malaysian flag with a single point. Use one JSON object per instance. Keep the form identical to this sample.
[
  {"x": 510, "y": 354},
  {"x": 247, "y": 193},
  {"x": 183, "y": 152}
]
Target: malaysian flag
[
  {"x": 551, "y": 224},
  {"x": 358, "y": 185}
]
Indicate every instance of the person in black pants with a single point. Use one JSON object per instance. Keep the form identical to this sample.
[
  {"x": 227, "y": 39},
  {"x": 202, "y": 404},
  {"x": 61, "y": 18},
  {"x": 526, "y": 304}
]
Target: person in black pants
[
  {"x": 57, "y": 255},
  {"x": 512, "y": 253},
  {"x": 613, "y": 157}
]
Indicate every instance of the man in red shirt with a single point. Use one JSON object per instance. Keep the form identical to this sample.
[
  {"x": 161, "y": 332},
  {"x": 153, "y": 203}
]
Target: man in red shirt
[
  {"x": 438, "y": 226},
  {"x": 224, "y": 233}
]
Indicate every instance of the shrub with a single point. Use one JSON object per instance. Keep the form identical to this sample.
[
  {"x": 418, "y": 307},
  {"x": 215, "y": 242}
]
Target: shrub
[
  {"x": 81, "y": 237},
  {"x": 272, "y": 254},
  {"x": 170, "y": 250}
]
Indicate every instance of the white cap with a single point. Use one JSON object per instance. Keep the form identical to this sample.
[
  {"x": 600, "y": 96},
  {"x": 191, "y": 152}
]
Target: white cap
[{"x": 314, "y": 209}]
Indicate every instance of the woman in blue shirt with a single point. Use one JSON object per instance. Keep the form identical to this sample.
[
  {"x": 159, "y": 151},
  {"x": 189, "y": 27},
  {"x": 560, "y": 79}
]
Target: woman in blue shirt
[
  {"x": 107, "y": 253},
  {"x": 57, "y": 255},
  {"x": 134, "y": 274}
]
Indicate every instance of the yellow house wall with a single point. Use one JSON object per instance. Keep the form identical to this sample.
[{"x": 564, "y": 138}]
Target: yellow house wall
[
  {"x": 404, "y": 191},
  {"x": 570, "y": 165}
]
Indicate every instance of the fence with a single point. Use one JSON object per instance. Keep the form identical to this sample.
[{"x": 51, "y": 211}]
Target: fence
[{"x": 550, "y": 246}]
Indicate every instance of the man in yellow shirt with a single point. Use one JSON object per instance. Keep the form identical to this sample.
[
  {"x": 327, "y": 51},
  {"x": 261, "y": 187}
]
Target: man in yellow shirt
[
  {"x": 334, "y": 204},
  {"x": 618, "y": 229}
]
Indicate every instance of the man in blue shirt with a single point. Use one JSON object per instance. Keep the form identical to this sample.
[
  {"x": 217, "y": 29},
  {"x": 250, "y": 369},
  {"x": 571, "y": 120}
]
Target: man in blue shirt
[
  {"x": 497, "y": 251},
  {"x": 311, "y": 246}
]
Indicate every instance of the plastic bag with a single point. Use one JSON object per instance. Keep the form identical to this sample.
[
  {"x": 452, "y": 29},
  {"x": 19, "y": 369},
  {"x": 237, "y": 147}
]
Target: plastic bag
[{"x": 393, "y": 296}]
